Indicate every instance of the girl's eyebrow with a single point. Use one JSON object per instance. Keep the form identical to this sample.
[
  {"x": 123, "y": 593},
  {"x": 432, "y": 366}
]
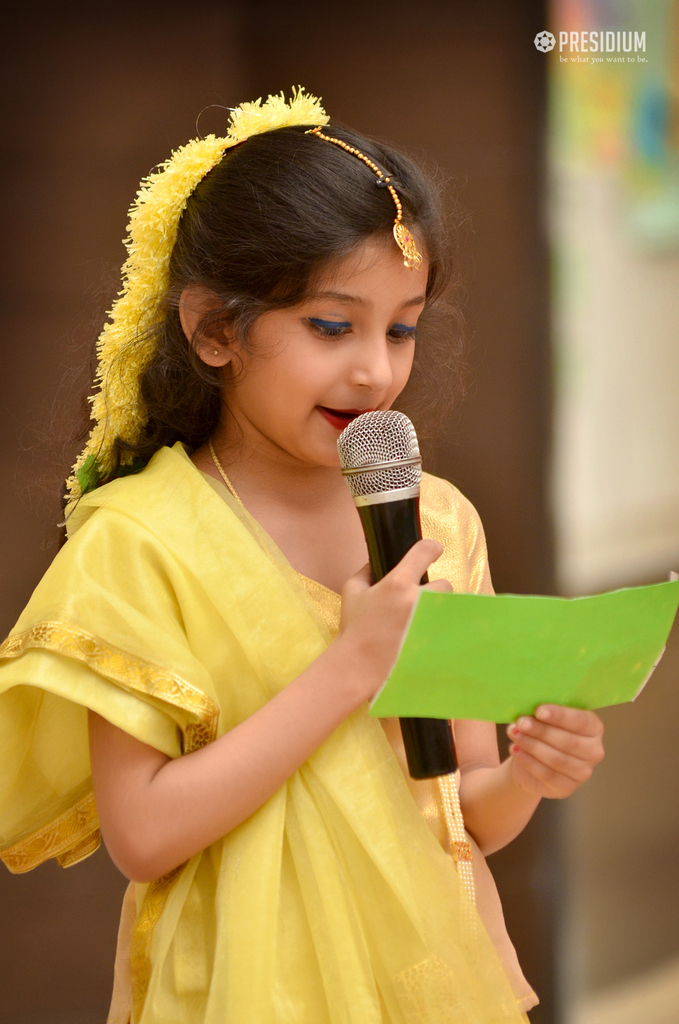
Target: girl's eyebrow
[{"x": 417, "y": 300}]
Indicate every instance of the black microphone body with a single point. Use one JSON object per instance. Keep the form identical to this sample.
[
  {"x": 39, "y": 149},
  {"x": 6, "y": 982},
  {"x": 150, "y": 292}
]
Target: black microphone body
[{"x": 391, "y": 528}]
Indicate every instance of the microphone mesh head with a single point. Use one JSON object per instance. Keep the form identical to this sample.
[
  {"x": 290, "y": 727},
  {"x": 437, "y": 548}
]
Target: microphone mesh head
[{"x": 377, "y": 437}]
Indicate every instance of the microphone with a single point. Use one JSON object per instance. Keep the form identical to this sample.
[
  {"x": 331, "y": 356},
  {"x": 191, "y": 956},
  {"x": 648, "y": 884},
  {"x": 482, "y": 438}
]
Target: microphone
[{"x": 381, "y": 462}]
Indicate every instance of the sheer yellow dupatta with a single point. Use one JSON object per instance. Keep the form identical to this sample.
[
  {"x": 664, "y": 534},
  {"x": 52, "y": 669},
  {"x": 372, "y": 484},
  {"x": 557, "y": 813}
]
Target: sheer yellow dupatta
[{"x": 332, "y": 903}]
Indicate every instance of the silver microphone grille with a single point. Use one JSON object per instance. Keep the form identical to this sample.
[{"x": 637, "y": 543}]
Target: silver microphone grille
[{"x": 379, "y": 453}]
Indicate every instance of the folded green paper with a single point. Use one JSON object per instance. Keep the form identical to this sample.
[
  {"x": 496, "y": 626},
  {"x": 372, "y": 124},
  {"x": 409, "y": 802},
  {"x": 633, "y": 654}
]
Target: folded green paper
[{"x": 498, "y": 657}]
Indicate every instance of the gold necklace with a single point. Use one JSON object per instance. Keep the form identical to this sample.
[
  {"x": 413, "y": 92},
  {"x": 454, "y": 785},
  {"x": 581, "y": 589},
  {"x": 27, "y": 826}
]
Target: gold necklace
[{"x": 222, "y": 472}]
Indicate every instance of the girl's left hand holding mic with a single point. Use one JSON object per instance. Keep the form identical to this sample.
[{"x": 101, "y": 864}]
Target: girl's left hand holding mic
[{"x": 555, "y": 751}]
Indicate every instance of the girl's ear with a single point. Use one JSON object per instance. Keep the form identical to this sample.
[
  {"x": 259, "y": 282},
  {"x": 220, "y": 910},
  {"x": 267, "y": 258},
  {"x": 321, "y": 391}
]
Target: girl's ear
[{"x": 214, "y": 345}]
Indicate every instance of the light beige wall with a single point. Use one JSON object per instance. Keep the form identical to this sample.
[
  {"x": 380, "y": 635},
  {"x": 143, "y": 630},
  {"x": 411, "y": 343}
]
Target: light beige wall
[
  {"x": 621, "y": 846},
  {"x": 616, "y": 434},
  {"x": 615, "y": 499}
]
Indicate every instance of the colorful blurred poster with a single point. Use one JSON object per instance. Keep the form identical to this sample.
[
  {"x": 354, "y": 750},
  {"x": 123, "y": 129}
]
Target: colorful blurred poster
[{"x": 615, "y": 103}]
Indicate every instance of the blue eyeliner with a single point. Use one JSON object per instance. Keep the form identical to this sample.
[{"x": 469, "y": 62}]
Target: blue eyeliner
[
  {"x": 336, "y": 326},
  {"x": 330, "y": 324}
]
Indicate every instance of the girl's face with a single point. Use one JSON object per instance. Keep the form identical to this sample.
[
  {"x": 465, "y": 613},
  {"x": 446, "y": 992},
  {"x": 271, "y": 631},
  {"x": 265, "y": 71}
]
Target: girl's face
[{"x": 346, "y": 349}]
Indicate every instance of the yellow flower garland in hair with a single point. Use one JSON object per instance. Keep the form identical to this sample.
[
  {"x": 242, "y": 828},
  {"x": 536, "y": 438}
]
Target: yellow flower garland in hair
[{"x": 117, "y": 409}]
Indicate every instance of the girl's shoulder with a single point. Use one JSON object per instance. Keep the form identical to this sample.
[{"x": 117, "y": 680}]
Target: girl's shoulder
[
  {"x": 450, "y": 518},
  {"x": 441, "y": 497},
  {"x": 161, "y": 486}
]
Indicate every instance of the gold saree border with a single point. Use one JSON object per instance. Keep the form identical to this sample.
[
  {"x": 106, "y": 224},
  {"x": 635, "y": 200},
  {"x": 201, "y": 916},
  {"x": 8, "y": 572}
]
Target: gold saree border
[
  {"x": 70, "y": 838},
  {"x": 141, "y": 942},
  {"x": 75, "y": 834},
  {"x": 134, "y": 674}
]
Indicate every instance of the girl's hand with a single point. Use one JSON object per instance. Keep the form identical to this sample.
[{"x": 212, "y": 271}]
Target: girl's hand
[
  {"x": 374, "y": 618},
  {"x": 555, "y": 752}
]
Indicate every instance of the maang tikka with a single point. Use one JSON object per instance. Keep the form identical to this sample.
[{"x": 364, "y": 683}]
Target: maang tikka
[{"x": 412, "y": 258}]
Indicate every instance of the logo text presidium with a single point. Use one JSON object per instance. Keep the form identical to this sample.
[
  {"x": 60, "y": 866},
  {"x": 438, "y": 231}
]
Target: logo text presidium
[{"x": 602, "y": 42}]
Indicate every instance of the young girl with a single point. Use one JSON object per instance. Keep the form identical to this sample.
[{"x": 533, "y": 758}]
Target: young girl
[{"x": 283, "y": 866}]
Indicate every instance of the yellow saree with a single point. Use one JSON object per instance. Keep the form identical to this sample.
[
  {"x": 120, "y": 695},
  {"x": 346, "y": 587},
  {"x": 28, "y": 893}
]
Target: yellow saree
[{"x": 173, "y": 615}]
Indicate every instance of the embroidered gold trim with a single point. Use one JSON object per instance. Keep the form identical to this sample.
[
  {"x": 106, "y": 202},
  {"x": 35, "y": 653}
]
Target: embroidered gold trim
[
  {"x": 70, "y": 837},
  {"x": 131, "y": 673},
  {"x": 142, "y": 937},
  {"x": 77, "y": 839},
  {"x": 428, "y": 993},
  {"x": 81, "y": 850}
]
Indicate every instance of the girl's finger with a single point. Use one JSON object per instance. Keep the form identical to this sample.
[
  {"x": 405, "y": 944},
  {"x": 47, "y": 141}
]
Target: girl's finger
[
  {"x": 589, "y": 748},
  {"x": 416, "y": 561},
  {"x": 557, "y": 761},
  {"x": 361, "y": 580},
  {"x": 584, "y": 723},
  {"x": 551, "y": 783}
]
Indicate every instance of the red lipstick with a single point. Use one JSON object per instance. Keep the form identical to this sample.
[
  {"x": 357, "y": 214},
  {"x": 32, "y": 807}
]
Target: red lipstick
[{"x": 338, "y": 418}]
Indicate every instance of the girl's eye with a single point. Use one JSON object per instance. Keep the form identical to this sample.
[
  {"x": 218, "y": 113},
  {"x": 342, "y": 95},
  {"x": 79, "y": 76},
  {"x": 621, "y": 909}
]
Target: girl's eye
[
  {"x": 336, "y": 328},
  {"x": 401, "y": 332},
  {"x": 329, "y": 328}
]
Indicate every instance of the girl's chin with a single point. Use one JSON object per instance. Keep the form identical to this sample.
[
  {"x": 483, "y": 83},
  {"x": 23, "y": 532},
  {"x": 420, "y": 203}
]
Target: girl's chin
[
  {"x": 324, "y": 451},
  {"x": 317, "y": 448}
]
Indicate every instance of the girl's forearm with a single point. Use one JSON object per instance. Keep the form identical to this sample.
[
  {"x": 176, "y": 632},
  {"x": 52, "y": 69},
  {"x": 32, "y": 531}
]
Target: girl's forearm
[
  {"x": 157, "y": 812},
  {"x": 495, "y": 809}
]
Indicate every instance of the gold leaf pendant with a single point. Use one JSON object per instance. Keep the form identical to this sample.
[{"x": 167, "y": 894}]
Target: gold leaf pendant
[{"x": 411, "y": 256}]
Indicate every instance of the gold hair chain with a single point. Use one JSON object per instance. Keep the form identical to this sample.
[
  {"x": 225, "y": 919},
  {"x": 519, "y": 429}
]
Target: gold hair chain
[{"x": 412, "y": 258}]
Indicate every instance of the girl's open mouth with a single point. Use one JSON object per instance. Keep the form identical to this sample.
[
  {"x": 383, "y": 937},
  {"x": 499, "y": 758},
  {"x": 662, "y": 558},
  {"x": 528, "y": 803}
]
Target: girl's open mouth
[{"x": 339, "y": 418}]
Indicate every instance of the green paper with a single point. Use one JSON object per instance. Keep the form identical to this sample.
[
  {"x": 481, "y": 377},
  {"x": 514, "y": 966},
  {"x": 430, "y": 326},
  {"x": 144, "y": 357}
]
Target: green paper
[{"x": 498, "y": 657}]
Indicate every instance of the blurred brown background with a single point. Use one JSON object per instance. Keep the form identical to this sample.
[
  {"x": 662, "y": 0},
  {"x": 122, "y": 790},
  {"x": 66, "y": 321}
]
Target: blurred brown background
[{"x": 94, "y": 99}]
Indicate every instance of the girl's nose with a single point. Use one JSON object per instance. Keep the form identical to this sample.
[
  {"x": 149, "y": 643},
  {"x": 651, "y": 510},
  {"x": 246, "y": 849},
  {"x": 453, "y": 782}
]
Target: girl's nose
[{"x": 372, "y": 365}]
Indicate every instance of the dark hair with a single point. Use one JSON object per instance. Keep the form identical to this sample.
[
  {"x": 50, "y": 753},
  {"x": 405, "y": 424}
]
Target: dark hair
[{"x": 278, "y": 210}]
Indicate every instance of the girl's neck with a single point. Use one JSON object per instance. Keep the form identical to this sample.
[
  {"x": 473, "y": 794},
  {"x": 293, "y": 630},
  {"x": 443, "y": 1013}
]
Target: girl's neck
[
  {"x": 261, "y": 477},
  {"x": 306, "y": 510}
]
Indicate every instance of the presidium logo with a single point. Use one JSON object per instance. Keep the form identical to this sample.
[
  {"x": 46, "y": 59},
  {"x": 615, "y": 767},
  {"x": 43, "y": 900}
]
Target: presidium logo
[
  {"x": 599, "y": 42},
  {"x": 544, "y": 41}
]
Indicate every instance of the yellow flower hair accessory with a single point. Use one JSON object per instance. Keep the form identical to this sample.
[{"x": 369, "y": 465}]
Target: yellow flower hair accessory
[{"x": 117, "y": 409}]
